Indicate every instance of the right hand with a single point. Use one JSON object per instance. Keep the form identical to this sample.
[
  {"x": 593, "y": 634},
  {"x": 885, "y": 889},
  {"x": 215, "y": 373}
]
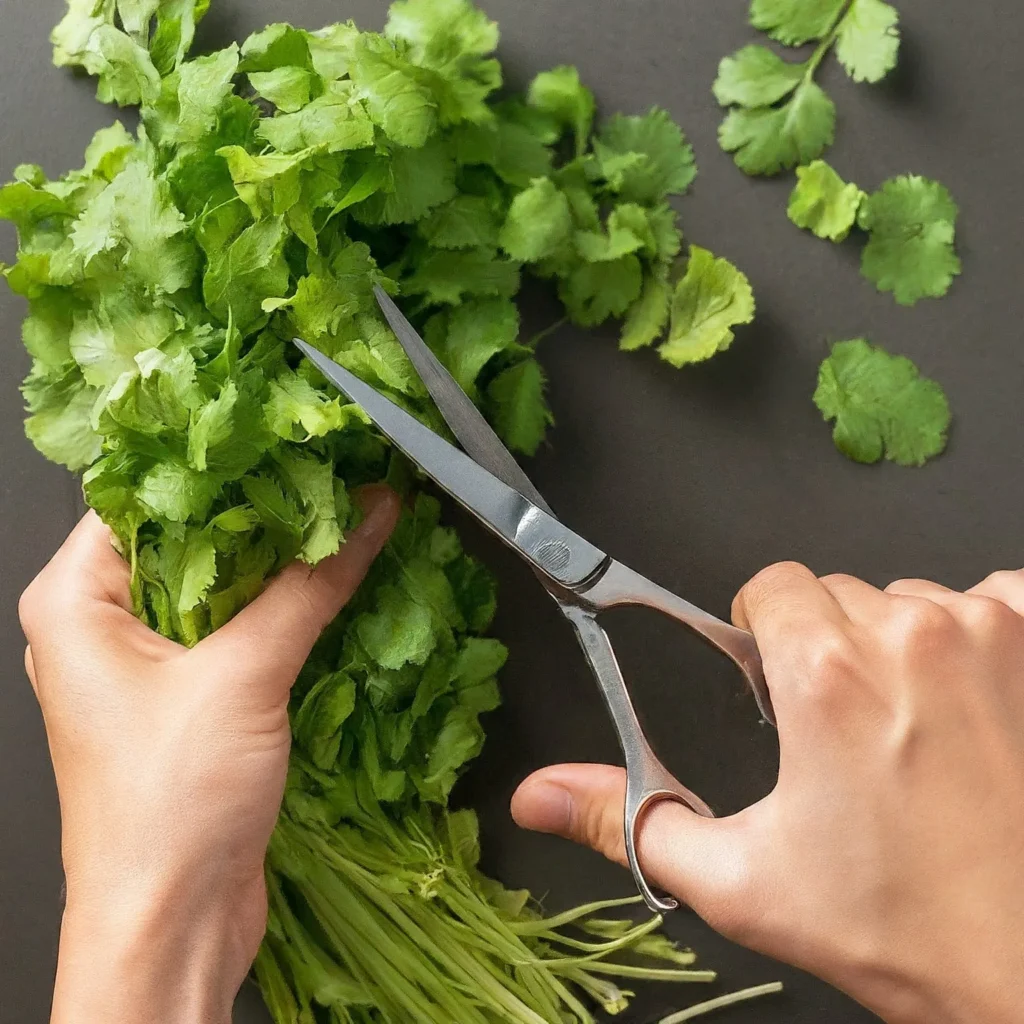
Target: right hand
[{"x": 889, "y": 859}]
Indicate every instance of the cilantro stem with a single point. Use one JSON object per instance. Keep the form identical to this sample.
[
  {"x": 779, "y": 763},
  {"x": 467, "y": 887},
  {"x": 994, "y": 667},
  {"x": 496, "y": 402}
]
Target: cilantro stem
[
  {"x": 827, "y": 40},
  {"x": 721, "y": 1002},
  {"x": 547, "y": 924}
]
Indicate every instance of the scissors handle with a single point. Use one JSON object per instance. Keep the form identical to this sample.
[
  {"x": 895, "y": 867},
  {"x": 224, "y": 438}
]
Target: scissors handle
[
  {"x": 620, "y": 585},
  {"x": 648, "y": 781}
]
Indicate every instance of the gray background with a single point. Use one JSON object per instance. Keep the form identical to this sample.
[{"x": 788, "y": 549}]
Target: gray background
[{"x": 697, "y": 478}]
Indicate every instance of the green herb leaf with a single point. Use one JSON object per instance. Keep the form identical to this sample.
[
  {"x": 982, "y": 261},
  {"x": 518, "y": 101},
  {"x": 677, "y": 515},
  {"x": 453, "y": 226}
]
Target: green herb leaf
[
  {"x": 823, "y": 203},
  {"x": 911, "y": 222},
  {"x": 712, "y": 298},
  {"x": 881, "y": 405},
  {"x": 868, "y": 40}
]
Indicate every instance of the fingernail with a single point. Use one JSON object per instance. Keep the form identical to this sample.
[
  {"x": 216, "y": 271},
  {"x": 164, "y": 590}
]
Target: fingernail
[
  {"x": 548, "y": 808},
  {"x": 377, "y": 502}
]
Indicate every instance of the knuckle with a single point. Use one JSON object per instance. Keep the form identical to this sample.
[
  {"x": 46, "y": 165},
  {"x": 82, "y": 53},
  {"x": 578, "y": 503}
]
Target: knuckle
[
  {"x": 830, "y": 661},
  {"x": 761, "y": 586},
  {"x": 922, "y": 622},
  {"x": 988, "y": 616}
]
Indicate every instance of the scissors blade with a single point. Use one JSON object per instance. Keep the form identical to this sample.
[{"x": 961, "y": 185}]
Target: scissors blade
[
  {"x": 559, "y": 553},
  {"x": 466, "y": 421}
]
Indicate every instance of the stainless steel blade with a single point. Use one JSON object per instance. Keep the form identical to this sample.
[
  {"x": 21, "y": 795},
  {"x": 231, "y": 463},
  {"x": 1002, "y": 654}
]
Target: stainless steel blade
[
  {"x": 554, "y": 549},
  {"x": 467, "y": 423}
]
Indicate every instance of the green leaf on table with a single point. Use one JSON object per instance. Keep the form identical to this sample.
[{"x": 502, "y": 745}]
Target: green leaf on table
[
  {"x": 911, "y": 223},
  {"x": 881, "y": 406},
  {"x": 766, "y": 140},
  {"x": 868, "y": 40},
  {"x": 756, "y": 77},
  {"x": 794, "y": 22},
  {"x": 823, "y": 203}
]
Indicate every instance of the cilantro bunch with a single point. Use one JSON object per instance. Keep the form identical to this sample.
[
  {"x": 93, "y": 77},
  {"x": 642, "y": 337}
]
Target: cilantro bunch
[
  {"x": 779, "y": 116},
  {"x": 268, "y": 188}
]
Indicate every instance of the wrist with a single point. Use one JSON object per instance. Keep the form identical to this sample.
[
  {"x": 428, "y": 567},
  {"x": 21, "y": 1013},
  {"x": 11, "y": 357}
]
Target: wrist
[{"x": 147, "y": 958}]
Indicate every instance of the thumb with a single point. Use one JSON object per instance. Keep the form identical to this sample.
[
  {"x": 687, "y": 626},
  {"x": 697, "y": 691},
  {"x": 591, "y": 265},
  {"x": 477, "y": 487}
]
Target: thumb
[
  {"x": 284, "y": 622},
  {"x": 701, "y": 861}
]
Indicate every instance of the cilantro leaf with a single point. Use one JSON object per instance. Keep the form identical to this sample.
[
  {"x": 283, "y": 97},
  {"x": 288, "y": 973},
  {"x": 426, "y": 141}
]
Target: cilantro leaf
[
  {"x": 711, "y": 299},
  {"x": 395, "y": 97},
  {"x": 560, "y": 94},
  {"x": 465, "y": 222},
  {"x": 881, "y": 405},
  {"x": 515, "y": 399},
  {"x": 823, "y": 203},
  {"x": 252, "y": 266},
  {"x": 795, "y": 22},
  {"x": 446, "y": 277},
  {"x": 647, "y": 317},
  {"x": 454, "y": 40},
  {"x": 868, "y": 40},
  {"x": 538, "y": 222},
  {"x": 756, "y": 77},
  {"x": 88, "y": 38},
  {"x": 593, "y": 292},
  {"x": 645, "y": 158},
  {"x": 330, "y": 121},
  {"x": 474, "y": 333},
  {"x": 60, "y": 424},
  {"x": 766, "y": 140},
  {"x": 400, "y": 630},
  {"x": 911, "y": 223}
]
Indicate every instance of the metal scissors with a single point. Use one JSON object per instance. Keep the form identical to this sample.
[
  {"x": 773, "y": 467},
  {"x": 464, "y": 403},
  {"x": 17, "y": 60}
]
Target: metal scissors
[{"x": 584, "y": 581}]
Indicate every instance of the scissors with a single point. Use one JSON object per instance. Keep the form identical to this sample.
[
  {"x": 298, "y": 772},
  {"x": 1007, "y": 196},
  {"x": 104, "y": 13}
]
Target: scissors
[{"x": 583, "y": 581}]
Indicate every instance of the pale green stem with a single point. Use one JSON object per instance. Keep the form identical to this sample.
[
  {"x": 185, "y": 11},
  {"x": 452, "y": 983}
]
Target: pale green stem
[{"x": 722, "y": 1001}]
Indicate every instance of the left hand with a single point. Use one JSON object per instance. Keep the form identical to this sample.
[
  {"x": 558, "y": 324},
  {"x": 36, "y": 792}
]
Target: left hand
[{"x": 170, "y": 766}]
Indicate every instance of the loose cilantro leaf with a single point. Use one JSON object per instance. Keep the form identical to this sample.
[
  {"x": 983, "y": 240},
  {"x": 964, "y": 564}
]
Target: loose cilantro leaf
[
  {"x": 911, "y": 222},
  {"x": 795, "y": 22},
  {"x": 766, "y": 140},
  {"x": 780, "y": 117},
  {"x": 868, "y": 40},
  {"x": 756, "y": 77},
  {"x": 823, "y": 203},
  {"x": 881, "y": 405},
  {"x": 711, "y": 299}
]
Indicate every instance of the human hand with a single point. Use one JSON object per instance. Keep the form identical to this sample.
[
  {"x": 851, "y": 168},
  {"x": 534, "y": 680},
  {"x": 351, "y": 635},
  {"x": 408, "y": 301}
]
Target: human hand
[
  {"x": 889, "y": 859},
  {"x": 170, "y": 766}
]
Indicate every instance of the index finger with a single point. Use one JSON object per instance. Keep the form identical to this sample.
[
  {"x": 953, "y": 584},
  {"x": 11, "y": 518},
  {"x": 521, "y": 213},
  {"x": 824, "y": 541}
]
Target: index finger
[{"x": 780, "y": 602}]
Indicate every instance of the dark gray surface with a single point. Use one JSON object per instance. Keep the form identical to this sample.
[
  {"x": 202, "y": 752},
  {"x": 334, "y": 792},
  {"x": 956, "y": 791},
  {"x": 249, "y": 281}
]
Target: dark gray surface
[{"x": 697, "y": 478}]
